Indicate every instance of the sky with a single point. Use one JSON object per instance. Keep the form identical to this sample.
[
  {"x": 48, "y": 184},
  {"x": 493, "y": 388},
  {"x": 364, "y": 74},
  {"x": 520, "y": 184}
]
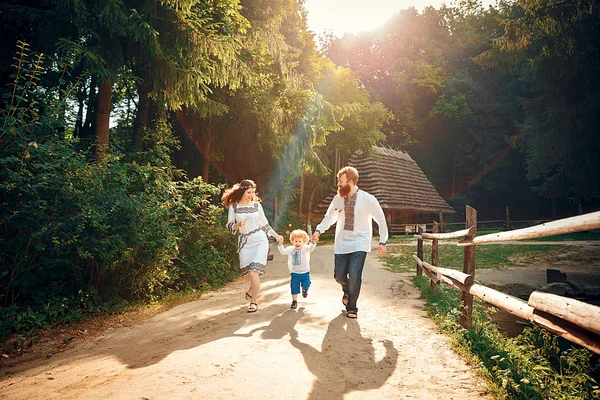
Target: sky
[{"x": 355, "y": 16}]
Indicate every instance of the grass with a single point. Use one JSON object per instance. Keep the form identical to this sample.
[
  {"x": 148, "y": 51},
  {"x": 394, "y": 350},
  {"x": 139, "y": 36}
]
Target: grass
[{"x": 399, "y": 258}]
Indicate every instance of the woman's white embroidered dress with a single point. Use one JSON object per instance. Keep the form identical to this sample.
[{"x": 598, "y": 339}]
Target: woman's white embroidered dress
[{"x": 253, "y": 243}]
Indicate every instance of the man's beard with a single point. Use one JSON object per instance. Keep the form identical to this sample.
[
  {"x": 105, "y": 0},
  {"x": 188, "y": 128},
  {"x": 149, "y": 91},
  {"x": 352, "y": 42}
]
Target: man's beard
[{"x": 344, "y": 191}]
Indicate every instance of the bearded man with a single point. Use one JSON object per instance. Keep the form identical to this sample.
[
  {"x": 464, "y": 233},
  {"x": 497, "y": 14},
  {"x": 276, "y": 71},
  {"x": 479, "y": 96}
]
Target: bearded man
[{"x": 352, "y": 210}]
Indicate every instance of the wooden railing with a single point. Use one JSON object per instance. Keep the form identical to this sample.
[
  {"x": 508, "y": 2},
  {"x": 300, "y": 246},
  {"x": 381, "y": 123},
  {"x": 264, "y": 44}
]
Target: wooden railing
[{"x": 571, "y": 319}]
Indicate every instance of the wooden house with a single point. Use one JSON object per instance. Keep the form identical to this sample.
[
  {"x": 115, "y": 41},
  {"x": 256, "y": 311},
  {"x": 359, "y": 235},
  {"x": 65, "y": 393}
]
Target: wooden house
[{"x": 406, "y": 195}]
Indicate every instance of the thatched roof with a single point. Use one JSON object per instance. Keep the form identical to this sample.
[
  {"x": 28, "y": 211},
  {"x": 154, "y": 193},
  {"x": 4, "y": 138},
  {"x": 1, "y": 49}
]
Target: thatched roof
[{"x": 396, "y": 181}]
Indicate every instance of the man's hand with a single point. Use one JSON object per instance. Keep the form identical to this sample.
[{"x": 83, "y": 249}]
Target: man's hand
[
  {"x": 315, "y": 236},
  {"x": 381, "y": 249}
]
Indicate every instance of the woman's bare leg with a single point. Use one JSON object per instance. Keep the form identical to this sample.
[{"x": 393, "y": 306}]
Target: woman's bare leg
[{"x": 253, "y": 278}]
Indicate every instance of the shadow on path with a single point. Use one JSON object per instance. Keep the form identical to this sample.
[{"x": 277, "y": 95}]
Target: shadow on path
[{"x": 346, "y": 362}]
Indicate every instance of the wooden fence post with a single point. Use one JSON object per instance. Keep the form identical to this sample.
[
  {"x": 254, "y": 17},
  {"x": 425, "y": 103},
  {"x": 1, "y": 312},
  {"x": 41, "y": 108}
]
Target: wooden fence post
[
  {"x": 468, "y": 268},
  {"x": 507, "y": 218},
  {"x": 434, "y": 257},
  {"x": 419, "y": 250}
]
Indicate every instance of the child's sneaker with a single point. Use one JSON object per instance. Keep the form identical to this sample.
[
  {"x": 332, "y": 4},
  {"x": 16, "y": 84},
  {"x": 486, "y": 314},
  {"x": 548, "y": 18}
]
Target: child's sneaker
[
  {"x": 304, "y": 293},
  {"x": 294, "y": 304}
]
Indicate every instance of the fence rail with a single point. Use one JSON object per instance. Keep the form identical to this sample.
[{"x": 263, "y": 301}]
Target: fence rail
[{"x": 571, "y": 319}]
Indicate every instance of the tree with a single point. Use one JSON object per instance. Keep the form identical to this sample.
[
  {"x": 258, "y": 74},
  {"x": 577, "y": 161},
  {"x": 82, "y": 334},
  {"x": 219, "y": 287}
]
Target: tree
[{"x": 553, "y": 48}]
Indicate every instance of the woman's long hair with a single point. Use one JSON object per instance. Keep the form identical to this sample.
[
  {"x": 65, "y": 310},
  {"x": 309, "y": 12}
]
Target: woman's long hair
[{"x": 234, "y": 194}]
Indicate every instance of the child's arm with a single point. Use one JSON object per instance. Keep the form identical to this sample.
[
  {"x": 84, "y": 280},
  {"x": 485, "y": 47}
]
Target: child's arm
[
  {"x": 282, "y": 250},
  {"x": 311, "y": 246}
]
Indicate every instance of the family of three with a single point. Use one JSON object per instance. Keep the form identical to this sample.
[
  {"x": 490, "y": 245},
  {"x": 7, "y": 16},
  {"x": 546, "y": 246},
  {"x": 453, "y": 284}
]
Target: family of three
[{"x": 352, "y": 210}]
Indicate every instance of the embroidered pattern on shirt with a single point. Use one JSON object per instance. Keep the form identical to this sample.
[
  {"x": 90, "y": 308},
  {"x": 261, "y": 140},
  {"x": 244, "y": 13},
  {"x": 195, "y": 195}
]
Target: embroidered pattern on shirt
[
  {"x": 243, "y": 238},
  {"x": 349, "y": 205},
  {"x": 245, "y": 210},
  {"x": 297, "y": 257},
  {"x": 230, "y": 227}
]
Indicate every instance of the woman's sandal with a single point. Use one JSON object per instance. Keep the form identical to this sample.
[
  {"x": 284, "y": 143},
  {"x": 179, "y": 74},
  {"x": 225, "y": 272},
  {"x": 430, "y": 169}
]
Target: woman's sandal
[
  {"x": 248, "y": 296},
  {"x": 253, "y": 307}
]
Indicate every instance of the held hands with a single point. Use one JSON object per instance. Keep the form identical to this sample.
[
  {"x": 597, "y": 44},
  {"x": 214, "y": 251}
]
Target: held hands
[
  {"x": 280, "y": 239},
  {"x": 315, "y": 237}
]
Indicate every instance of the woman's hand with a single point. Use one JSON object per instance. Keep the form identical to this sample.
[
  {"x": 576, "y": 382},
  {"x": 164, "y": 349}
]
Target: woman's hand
[
  {"x": 240, "y": 224},
  {"x": 280, "y": 239}
]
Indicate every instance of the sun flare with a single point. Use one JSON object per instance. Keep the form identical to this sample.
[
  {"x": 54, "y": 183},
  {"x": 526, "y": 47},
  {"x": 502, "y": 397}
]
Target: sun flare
[{"x": 354, "y": 16}]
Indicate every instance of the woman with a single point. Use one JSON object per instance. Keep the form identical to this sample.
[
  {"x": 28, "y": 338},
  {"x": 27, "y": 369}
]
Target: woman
[{"x": 246, "y": 215}]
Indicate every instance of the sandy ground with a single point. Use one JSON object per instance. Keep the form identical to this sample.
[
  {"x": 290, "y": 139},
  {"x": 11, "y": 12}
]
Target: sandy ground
[{"x": 213, "y": 349}]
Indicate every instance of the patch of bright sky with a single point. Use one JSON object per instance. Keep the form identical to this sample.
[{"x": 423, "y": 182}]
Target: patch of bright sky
[{"x": 354, "y": 16}]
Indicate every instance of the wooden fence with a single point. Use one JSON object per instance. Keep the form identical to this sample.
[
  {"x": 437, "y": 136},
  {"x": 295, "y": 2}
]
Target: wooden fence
[{"x": 571, "y": 319}]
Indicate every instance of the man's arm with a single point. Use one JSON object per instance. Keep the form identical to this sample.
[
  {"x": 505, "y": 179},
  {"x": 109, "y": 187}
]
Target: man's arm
[
  {"x": 330, "y": 218},
  {"x": 379, "y": 217}
]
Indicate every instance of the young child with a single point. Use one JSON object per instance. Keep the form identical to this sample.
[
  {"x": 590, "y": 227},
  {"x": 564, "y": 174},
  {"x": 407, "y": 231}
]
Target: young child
[{"x": 298, "y": 263}]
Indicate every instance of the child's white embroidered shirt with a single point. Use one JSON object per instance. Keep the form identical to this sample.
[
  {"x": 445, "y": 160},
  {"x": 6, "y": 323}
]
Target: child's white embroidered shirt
[{"x": 298, "y": 260}]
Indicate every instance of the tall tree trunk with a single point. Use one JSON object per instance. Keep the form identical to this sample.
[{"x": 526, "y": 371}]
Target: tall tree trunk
[
  {"x": 335, "y": 165},
  {"x": 141, "y": 119},
  {"x": 301, "y": 194},
  {"x": 79, "y": 120},
  {"x": 309, "y": 210},
  {"x": 103, "y": 120},
  {"x": 453, "y": 175},
  {"x": 90, "y": 114},
  {"x": 206, "y": 160},
  {"x": 275, "y": 205}
]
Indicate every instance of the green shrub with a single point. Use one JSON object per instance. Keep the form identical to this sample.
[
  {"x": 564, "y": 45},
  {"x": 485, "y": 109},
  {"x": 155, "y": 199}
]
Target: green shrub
[{"x": 77, "y": 237}]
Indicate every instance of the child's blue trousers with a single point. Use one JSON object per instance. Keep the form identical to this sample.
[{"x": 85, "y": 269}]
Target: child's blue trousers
[{"x": 299, "y": 280}]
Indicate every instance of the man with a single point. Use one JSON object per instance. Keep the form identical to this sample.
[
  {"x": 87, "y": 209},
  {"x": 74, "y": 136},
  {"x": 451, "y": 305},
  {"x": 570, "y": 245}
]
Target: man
[{"x": 352, "y": 210}]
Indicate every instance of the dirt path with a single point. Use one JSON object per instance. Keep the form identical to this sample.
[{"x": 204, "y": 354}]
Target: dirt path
[{"x": 213, "y": 349}]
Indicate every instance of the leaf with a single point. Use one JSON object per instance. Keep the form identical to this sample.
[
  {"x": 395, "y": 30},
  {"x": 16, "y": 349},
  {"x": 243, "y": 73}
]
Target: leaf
[
  {"x": 62, "y": 81},
  {"x": 540, "y": 367}
]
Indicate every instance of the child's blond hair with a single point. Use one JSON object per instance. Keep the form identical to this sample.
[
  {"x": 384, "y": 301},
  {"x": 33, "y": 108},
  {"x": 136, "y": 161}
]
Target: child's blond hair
[{"x": 299, "y": 233}]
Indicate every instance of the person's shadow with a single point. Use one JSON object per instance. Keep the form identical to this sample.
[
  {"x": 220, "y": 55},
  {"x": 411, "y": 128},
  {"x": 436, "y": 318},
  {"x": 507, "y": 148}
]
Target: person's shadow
[
  {"x": 279, "y": 327},
  {"x": 346, "y": 362}
]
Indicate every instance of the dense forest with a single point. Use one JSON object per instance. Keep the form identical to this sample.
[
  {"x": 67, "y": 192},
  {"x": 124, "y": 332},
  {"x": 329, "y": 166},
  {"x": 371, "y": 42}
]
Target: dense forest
[{"x": 123, "y": 120}]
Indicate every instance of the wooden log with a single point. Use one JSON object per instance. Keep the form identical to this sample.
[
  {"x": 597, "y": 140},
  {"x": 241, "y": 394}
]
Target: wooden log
[
  {"x": 566, "y": 330},
  {"x": 466, "y": 303},
  {"x": 450, "y": 235},
  {"x": 418, "y": 260},
  {"x": 521, "y": 309},
  {"x": 579, "y": 223},
  {"x": 433, "y": 279},
  {"x": 434, "y": 257},
  {"x": 454, "y": 283},
  {"x": 461, "y": 277},
  {"x": 419, "y": 251},
  {"x": 509, "y": 303},
  {"x": 574, "y": 311}
]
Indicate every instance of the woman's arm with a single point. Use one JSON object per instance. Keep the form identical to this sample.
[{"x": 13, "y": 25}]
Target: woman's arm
[
  {"x": 231, "y": 224},
  {"x": 263, "y": 221}
]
